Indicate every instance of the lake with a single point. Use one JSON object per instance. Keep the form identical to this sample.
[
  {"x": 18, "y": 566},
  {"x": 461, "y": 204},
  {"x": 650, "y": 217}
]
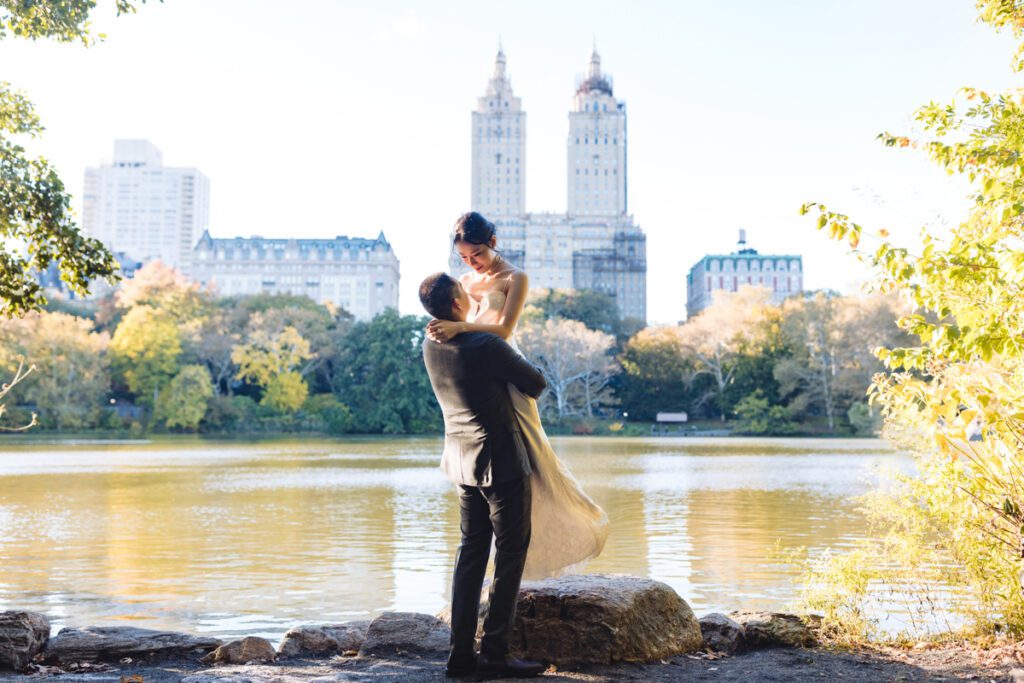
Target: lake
[{"x": 253, "y": 537}]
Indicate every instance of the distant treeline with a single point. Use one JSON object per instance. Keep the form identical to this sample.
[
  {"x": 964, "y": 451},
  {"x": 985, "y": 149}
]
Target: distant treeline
[{"x": 162, "y": 354}]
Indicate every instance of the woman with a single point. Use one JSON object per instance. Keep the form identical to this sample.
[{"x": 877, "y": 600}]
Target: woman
[{"x": 568, "y": 528}]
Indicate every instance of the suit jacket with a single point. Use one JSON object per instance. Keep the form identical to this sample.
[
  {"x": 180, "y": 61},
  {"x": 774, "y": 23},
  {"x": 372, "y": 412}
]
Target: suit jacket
[{"x": 470, "y": 375}]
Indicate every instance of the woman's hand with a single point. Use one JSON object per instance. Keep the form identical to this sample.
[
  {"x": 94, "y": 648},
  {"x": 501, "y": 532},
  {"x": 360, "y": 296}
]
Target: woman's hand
[{"x": 443, "y": 330}]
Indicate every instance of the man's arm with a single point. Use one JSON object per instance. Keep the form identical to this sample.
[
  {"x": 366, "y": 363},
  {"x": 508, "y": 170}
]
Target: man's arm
[{"x": 508, "y": 365}]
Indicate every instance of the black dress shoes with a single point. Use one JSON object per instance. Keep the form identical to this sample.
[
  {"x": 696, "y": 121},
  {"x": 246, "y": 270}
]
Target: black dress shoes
[
  {"x": 507, "y": 667},
  {"x": 460, "y": 667}
]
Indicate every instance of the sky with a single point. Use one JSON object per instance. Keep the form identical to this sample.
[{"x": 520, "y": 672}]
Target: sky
[{"x": 319, "y": 118}]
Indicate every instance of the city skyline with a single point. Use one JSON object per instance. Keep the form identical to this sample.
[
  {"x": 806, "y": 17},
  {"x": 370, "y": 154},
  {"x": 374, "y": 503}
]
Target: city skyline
[{"x": 351, "y": 120}]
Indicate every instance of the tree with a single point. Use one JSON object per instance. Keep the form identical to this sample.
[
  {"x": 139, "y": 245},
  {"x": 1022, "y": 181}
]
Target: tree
[
  {"x": 714, "y": 342},
  {"x": 809, "y": 377},
  {"x": 19, "y": 375},
  {"x": 270, "y": 361},
  {"x": 379, "y": 374},
  {"x": 758, "y": 417},
  {"x": 596, "y": 310},
  {"x": 35, "y": 209},
  {"x": 653, "y": 370},
  {"x": 956, "y": 523},
  {"x": 575, "y": 361},
  {"x": 146, "y": 350},
  {"x": 832, "y": 339},
  {"x": 183, "y": 403},
  {"x": 285, "y": 393},
  {"x": 218, "y": 335},
  {"x": 323, "y": 326},
  {"x": 335, "y": 415},
  {"x": 166, "y": 288},
  {"x": 71, "y": 378},
  {"x": 322, "y": 329}
]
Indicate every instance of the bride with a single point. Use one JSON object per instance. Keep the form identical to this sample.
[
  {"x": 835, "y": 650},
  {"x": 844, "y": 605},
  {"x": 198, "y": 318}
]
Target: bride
[{"x": 568, "y": 527}]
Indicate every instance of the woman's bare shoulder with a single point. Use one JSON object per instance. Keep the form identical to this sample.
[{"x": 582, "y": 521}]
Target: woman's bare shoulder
[{"x": 517, "y": 276}]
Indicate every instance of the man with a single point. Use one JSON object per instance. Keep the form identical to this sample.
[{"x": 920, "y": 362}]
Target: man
[{"x": 485, "y": 455}]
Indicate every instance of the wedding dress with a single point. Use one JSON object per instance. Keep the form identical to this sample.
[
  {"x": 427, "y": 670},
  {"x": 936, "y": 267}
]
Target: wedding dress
[{"x": 568, "y": 528}]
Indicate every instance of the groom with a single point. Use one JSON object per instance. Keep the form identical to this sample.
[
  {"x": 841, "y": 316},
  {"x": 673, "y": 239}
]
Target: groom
[{"x": 485, "y": 455}]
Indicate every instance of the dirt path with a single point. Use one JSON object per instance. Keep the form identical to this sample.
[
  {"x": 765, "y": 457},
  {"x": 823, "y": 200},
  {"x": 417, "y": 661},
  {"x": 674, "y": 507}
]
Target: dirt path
[{"x": 948, "y": 663}]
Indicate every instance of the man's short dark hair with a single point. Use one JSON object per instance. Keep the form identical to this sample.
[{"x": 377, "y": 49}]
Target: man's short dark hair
[{"x": 437, "y": 292}]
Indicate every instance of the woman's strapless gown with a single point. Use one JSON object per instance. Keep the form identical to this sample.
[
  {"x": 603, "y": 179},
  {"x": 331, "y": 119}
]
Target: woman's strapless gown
[{"x": 568, "y": 528}]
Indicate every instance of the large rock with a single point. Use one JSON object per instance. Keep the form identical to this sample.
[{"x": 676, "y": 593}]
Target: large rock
[
  {"x": 774, "y": 629},
  {"x": 324, "y": 641},
  {"x": 395, "y": 633},
  {"x": 22, "y": 636},
  {"x": 721, "y": 634},
  {"x": 248, "y": 649},
  {"x": 111, "y": 643},
  {"x": 595, "y": 619}
]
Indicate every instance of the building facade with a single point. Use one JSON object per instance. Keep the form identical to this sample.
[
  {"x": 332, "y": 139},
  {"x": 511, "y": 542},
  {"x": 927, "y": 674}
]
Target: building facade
[
  {"x": 146, "y": 210},
  {"x": 360, "y": 275},
  {"x": 782, "y": 274},
  {"x": 499, "y": 148},
  {"x": 596, "y": 243},
  {"x": 597, "y": 147}
]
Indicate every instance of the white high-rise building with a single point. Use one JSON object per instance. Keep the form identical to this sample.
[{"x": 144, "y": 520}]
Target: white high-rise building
[
  {"x": 146, "y": 210},
  {"x": 595, "y": 244},
  {"x": 499, "y": 148},
  {"x": 597, "y": 147}
]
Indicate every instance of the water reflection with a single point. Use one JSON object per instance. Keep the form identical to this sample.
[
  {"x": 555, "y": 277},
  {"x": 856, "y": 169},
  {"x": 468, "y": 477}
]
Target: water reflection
[{"x": 250, "y": 538}]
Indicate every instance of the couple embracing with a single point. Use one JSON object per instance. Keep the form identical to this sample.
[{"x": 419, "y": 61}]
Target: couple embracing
[{"x": 512, "y": 487}]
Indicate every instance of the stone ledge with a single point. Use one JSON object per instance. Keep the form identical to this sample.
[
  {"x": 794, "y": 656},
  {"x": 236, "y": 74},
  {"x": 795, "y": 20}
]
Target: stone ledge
[{"x": 112, "y": 643}]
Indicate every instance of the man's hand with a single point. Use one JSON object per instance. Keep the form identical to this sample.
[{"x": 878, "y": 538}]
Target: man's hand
[{"x": 443, "y": 330}]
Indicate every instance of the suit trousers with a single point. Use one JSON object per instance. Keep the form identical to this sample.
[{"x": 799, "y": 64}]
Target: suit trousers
[{"x": 501, "y": 511}]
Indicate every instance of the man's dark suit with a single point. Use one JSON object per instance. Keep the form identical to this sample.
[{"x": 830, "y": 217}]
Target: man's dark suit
[{"x": 485, "y": 455}]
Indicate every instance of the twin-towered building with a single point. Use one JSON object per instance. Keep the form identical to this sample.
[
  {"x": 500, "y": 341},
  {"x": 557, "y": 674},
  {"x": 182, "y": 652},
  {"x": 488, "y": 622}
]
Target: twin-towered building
[
  {"x": 782, "y": 274},
  {"x": 595, "y": 244}
]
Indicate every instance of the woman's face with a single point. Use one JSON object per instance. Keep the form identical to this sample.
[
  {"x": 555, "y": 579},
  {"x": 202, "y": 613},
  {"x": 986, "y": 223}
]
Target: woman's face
[{"x": 479, "y": 257}]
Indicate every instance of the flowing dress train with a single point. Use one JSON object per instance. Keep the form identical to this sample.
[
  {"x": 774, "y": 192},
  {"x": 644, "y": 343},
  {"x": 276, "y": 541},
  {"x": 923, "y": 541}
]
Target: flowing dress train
[{"x": 568, "y": 527}]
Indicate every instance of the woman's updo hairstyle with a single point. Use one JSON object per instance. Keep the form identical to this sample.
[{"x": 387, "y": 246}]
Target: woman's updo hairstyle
[{"x": 472, "y": 228}]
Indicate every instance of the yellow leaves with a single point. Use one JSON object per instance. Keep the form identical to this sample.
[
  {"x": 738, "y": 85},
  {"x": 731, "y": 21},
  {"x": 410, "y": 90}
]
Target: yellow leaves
[
  {"x": 883, "y": 233},
  {"x": 268, "y": 355}
]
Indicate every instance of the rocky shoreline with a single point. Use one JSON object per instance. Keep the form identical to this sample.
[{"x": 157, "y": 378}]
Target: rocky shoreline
[{"x": 591, "y": 628}]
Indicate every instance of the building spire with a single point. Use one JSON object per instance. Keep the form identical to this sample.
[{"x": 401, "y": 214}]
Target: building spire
[
  {"x": 594, "y": 71},
  {"x": 499, "y": 61}
]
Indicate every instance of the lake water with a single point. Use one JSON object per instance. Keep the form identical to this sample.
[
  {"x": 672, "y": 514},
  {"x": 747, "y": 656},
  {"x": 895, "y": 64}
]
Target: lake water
[{"x": 232, "y": 538}]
